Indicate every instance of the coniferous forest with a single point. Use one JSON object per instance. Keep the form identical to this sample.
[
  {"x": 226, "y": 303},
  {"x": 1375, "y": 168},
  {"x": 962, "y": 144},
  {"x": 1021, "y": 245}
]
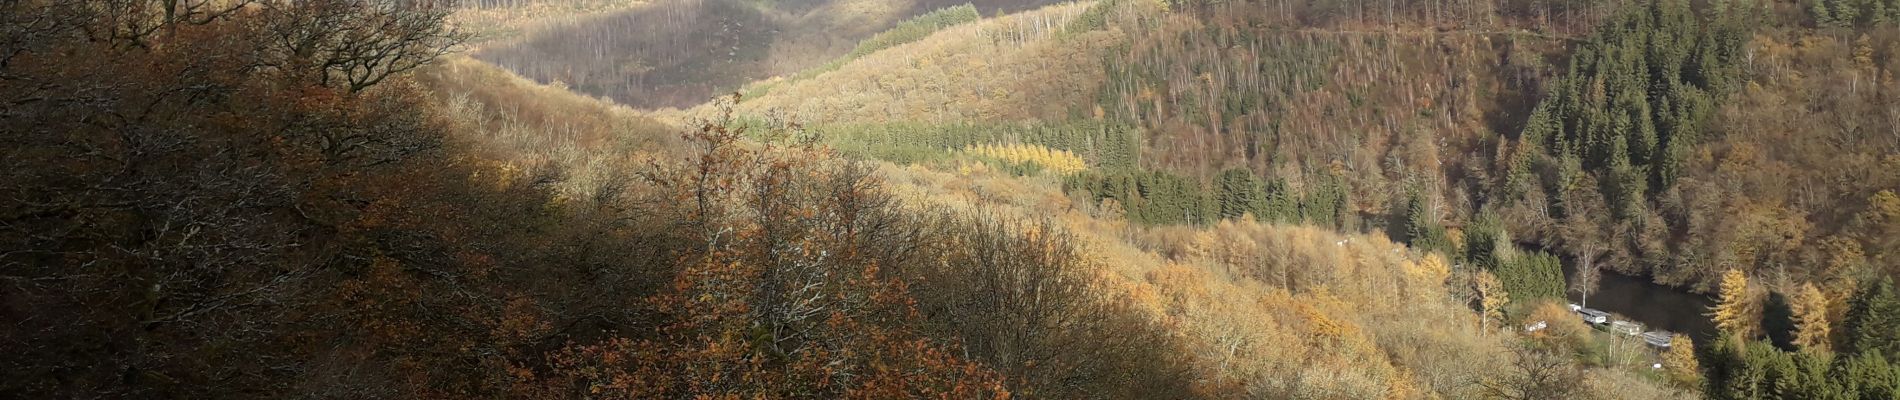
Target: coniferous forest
[{"x": 880, "y": 199}]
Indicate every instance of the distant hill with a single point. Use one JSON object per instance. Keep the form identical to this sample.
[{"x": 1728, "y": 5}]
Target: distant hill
[
  {"x": 1016, "y": 67},
  {"x": 677, "y": 53}
]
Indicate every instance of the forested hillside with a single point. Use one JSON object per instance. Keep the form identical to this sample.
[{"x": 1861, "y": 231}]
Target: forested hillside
[
  {"x": 496, "y": 21},
  {"x": 945, "y": 105},
  {"x": 871, "y": 199},
  {"x": 1652, "y": 138},
  {"x": 1598, "y": 146}
]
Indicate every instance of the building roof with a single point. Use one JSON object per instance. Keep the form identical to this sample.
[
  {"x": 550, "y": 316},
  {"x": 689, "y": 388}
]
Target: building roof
[{"x": 1658, "y": 338}]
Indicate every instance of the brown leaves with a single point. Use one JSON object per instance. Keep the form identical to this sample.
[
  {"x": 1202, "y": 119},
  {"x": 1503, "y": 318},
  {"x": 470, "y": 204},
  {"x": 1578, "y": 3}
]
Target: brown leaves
[{"x": 781, "y": 297}]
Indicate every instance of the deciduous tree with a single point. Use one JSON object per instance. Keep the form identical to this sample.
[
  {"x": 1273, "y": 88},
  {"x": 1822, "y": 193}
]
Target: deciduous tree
[
  {"x": 1735, "y": 311},
  {"x": 1491, "y": 299},
  {"x": 1680, "y": 362},
  {"x": 1811, "y": 323},
  {"x": 1536, "y": 374}
]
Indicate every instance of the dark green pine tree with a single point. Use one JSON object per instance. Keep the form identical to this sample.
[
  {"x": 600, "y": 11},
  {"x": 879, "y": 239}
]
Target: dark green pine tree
[
  {"x": 1484, "y": 238},
  {"x": 1207, "y": 206},
  {"x": 1569, "y": 175},
  {"x": 1530, "y": 275},
  {"x": 1873, "y": 322},
  {"x": 1422, "y": 227},
  {"x": 1538, "y": 129},
  {"x": 1687, "y": 105},
  {"x": 1634, "y": 96},
  {"x": 1805, "y": 375},
  {"x": 1735, "y": 369},
  {"x": 1623, "y": 188},
  {"x": 1326, "y": 203},
  {"x": 1148, "y": 200},
  {"x": 1868, "y": 376},
  {"x": 1239, "y": 193},
  {"x": 1280, "y": 205},
  {"x": 1724, "y": 371}
]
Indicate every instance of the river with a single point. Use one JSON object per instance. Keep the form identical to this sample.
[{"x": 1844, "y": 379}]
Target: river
[{"x": 1656, "y": 306}]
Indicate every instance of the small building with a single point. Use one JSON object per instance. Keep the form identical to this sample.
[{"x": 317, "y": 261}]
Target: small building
[
  {"x": 1593, "y": 316},
  {"x": 1626, "y": 328},
  {"x": 1658, "y": 339},
  {"x": 1535, "y": 326}
]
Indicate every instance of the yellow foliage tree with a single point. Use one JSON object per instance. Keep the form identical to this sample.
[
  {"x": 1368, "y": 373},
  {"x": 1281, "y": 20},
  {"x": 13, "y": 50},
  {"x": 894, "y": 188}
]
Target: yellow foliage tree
[
  {"x": 1491, "y": 298},
  {"x": 1428, "y": 272},
  {"x": 1680, "y": 362},
  {"x": 1323, "y": 328},
  {"x": 1060, "y": 161},
  {"x": 1735, "y": 310},
  {"x": 1811, "y": 322}
]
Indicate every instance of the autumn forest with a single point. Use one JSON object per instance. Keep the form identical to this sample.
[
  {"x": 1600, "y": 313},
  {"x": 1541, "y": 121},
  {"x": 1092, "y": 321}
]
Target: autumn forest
[{"x": 950, "y": 199}]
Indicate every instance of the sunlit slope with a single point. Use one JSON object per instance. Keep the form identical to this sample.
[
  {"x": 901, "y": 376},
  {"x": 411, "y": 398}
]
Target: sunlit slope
[
  {"x": 497, "y": 21},
  {"x": 1012, "y": 67},
  {"x": 682, "y": 52},
  {"x": 537, "y": 128},
  {"x": 1278, "y": 311}
]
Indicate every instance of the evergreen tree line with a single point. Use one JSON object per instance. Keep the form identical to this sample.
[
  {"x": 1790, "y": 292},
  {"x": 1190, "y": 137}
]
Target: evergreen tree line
[
  {"x": 916, "y": 28},
  {"x": 1630, "y": 107},
  {"x": 1595, "y": 165},
  {"x": 1735, "y": 367},
  {"x": 1155, "y": 197},
  {"x": 1108, "y": 146},
  {"x": 1852, "y": 13},
  {"x": 1527, "y": 275},
  {"x": 1095, "y": 18}
]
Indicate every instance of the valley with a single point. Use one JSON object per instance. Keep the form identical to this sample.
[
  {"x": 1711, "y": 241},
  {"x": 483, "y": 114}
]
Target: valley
[{"x": 876, "y": 199}]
